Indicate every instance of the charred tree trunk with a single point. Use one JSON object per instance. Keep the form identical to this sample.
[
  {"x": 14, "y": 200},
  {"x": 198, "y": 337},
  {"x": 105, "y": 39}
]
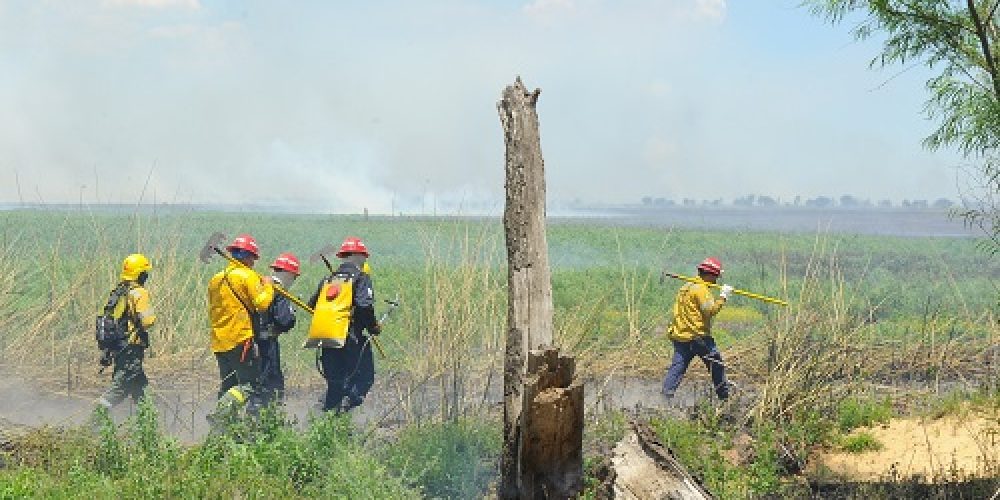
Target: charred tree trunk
[{"x": 529, "y": 324}]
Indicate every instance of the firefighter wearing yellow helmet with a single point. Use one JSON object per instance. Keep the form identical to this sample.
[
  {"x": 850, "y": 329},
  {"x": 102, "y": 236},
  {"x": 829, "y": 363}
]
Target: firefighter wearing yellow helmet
[{"x": 123, "y": 332}]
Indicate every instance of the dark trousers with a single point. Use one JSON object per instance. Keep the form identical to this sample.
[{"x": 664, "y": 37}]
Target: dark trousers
[
  {"x": 129, "y": 378},
  {"x": 684, "y": 352},
  {"x": 349, "y": 372},
  {"x": 238, "y": 370},
  {"x": 272, "y": 380}
]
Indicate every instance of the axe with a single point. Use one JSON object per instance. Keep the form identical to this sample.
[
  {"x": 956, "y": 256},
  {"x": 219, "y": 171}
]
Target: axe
[{"x": 212, "y": 247}]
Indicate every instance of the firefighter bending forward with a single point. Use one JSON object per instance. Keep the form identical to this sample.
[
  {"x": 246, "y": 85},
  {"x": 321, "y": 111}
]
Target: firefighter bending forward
[{"x": 236, "y": 296}]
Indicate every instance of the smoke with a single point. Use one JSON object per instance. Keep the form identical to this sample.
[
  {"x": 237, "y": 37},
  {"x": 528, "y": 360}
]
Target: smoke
[{"x": 390, "y": 105}]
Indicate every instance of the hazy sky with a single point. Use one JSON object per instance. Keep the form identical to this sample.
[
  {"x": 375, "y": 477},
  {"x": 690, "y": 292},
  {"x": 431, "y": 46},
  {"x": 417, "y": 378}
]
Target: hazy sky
[{"x": 342, "y": 105}]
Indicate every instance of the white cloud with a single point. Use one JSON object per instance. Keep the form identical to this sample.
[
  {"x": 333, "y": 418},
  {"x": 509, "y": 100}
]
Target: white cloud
[
  {"x": 156, "y": 4},
  {"x": 714, "y": 10}
]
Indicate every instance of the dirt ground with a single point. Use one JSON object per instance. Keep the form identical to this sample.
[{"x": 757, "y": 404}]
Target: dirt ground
[
  {"x": 185, "y": 398},
  {"x": 946, "y": 448}
]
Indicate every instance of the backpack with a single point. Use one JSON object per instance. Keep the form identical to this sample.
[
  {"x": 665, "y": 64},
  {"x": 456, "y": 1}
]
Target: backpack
[
  {"x": 112, "y": 332},
  {"x": 331, "y": 320}
]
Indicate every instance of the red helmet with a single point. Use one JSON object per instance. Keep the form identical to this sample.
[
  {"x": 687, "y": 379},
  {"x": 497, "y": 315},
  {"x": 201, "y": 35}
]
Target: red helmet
[
  {"x": 245, "y": 242},
  {"x": 352, "y": 245},
  {"x": 286, "y": 262},
  {"x": 711, "y": 265}
]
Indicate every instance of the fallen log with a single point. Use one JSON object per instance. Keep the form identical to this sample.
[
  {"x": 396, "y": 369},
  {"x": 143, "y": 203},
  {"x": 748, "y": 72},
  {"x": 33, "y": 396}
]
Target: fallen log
[{"x": 644, "y": 468}]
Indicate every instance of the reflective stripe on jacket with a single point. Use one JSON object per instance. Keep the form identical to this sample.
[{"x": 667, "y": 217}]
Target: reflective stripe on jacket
[
  {"x": 693, "y": 311},
  {"x": 141, "y": 310},
  {"x": 232, "y": 294}
]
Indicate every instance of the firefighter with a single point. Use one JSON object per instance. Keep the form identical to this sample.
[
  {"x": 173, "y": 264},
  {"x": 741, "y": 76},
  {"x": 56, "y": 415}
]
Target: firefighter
[
  {"x": 277, "y": 319},
  {"x": 128, "y": 306},
  {"x": 691, "y": 329},
  {"x": 350, "y": 370},
  {"x": 236, "y": 297}
]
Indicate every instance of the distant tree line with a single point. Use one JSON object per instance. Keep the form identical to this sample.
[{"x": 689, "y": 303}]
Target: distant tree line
[{"x": 764, "y": 201}]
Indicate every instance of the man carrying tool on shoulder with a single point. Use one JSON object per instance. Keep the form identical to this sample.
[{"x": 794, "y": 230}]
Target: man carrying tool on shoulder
[
  {"x": 236, "y": 297},
  {"x": 691, "y": 329},
  {"x": 350, "y": 370},
  {"x": 123, "y": 332},
  {"x": 278, "y": 318}
]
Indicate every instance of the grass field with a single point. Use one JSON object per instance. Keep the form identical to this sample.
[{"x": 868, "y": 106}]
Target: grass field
[{"x": 863, "y": 308}]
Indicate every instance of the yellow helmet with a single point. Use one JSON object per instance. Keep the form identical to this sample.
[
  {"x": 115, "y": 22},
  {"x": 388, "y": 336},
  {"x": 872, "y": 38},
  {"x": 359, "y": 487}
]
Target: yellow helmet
[{"x": 134, "y": 265}]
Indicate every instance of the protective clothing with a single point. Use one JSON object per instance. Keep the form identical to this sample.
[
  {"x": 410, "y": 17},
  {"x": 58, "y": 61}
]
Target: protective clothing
[
  {"x": 286, "y": 262},
  {"x": 134, "y": 265},
  {"x": 247, "y": 243},
  {"x": 277, "y": 319},
  {"x": 239, "y": 372},
  {"x": 684, "y": 352},
  {"x": 725, "y": 291},
  {"x": 352, "y": 245},
  {"x": 691, "y": 331},
  {"x": 235, "y": 296},
  {"x": 693, "y": 311},
  {"x": 350, "y": 370},
  {"x": 711, "y": 265},
  {"x": 128, "y": 378}
]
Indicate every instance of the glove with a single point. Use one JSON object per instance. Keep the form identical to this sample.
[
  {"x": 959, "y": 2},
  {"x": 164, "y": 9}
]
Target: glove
[
  {"x": 726, "y": 290},
  {"x": 378, "y": 329}
]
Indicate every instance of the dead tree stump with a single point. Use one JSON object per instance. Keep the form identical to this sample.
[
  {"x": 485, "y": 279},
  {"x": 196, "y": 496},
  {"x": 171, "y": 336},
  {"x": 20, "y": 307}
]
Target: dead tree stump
[{"x": 543, "y": 409}]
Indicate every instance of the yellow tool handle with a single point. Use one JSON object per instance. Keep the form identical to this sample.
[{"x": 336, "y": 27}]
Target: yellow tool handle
[
  {"x": 744, "y": 293},
  {"x": 297, "y": 301},
  {"x": 305, "y": 307},
  {"x": 378, "y": 345}
]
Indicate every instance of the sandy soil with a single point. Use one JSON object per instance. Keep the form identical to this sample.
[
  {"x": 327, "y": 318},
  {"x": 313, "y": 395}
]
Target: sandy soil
[{"x": 929, "y": 449}]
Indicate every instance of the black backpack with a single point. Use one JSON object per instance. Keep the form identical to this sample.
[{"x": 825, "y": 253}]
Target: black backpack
[{"x": 112, "y": 332}]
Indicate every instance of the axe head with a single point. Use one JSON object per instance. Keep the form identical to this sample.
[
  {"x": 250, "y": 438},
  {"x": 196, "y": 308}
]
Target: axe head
[
  {"x": 325, "y": 251},
  {"x": 211, "y": 247}
]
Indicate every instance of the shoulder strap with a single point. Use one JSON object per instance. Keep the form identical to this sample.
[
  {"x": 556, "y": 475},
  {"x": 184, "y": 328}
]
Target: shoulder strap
[
  {"x": 120, "y": 290},
  {"x": 225, "y": 278}
]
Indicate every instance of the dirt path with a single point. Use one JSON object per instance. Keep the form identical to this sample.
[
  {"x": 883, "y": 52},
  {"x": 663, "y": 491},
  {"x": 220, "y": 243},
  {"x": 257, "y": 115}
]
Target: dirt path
[{"x": 184, "y": 400}]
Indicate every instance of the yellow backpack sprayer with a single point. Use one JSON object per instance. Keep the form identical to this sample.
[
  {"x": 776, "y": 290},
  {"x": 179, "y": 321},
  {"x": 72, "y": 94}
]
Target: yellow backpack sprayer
[
  {"x": 334, "y": 303},
  {"x": 212, "y": 248}
]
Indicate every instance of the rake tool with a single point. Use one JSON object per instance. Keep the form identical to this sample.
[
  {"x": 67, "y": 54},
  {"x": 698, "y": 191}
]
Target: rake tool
[
  {"x": 755, "y": 296},
  {"x": 212, "y": 247},
  {"x": 321, "y": 255}
]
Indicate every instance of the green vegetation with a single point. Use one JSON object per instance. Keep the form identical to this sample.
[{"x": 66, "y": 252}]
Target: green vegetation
[
  {"x": 447, "y": 460},
  {"x": 268, "y": 459},
  {"x": 854, "y": 413},
  {"x": 862, "y": 308},
  {"x": 860, "y": 442}
]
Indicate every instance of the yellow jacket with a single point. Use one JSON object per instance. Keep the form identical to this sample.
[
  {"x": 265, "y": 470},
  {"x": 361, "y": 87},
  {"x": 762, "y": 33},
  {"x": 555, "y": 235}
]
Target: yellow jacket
[
  {"x": 232, "y": 293},
  {"x": 141, "y": 310},
  {"x": 693, "y": 312}
]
